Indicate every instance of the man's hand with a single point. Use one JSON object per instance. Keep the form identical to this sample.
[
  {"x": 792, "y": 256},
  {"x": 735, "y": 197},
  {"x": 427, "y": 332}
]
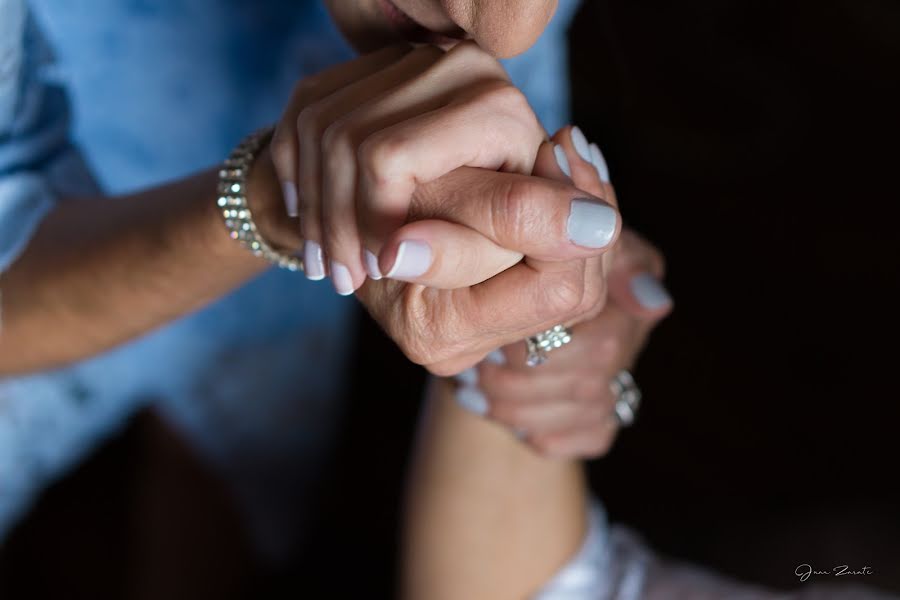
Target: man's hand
[
  {"x": 565, "y": 407},
  {"x": 476, "y": 228}
]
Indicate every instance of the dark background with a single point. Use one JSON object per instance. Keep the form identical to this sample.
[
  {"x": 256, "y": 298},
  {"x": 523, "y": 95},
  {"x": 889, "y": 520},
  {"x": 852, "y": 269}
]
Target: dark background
[{"x": 755, "y": 143}]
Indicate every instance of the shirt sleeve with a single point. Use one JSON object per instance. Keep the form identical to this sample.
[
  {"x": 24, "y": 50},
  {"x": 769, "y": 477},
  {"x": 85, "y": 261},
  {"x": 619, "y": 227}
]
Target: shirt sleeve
[
  {"x": 614, "y": 563},
  {"x": 38, "y": 162}
]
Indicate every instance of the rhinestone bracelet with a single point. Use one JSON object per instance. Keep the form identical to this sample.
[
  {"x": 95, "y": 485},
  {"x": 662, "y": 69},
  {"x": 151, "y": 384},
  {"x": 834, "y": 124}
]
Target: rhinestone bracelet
[{"x": 232, "y": 201}]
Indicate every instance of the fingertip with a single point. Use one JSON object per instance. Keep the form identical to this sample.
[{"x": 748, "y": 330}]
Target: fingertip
[
  {"x": 592, "y": 223},
  {"x": 642, "y": 295},
  {"x": 561, "y": 161},
  {"x": 599, "y": 163},
  {"x": 411, "y": 259},
  {"x": 496, "y": 357},
  {"x": 581, "y": 145},
  {"x": 313, "y": 260},
  {"x": 650, "y": 293},
  {"x": 370, "y": 261},
  {"x": 341, "y": 278}
]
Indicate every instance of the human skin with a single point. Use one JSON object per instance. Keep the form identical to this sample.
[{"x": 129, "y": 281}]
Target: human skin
[
  {"x": 504, "y": 28},
  {"x": 446, "y": 139},
  {"x": 101, "y": 271}
]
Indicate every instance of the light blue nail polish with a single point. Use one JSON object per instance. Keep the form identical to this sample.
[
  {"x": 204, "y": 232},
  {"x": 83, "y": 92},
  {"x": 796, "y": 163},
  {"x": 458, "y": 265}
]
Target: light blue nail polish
[
  {"x": 599, "y": 163},
  {"x": 472, "y": 400},
  {"x": 496, "y": 356},
  {"x": 561, "y": 160},
  {"x": 649, "y": 292},
  {"x": 469, "y": 377},
  {"x": 581, "y": 144},
  {"x": 591, "y": 223}
]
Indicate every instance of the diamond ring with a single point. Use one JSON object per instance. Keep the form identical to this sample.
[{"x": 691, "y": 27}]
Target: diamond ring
[
  {"x": 541, "y": 344},
  {"x": 628, "y": 397}
]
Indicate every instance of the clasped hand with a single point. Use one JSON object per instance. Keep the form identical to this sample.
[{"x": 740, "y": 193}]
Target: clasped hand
[{"x": 424, "y": 183}]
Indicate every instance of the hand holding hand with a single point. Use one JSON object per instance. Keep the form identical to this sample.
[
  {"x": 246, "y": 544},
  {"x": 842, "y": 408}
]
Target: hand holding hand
[{"x": 566, "y": 407}]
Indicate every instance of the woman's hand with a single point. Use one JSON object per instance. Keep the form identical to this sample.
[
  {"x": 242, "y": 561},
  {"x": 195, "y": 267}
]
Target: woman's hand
[
  {"x": 356, "y": 142},
  {"x": 565, "y": 407}
]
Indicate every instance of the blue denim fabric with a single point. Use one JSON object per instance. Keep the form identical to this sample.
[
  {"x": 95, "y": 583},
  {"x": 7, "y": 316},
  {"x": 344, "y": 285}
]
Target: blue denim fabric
[{"x": 159, "y": 89}]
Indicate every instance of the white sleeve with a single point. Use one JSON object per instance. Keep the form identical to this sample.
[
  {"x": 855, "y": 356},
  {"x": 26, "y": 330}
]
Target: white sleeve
[{"x": 613, "y": 563}]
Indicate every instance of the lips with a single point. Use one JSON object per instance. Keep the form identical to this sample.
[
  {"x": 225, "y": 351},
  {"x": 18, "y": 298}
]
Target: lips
[{"x": 413, "y": 31}]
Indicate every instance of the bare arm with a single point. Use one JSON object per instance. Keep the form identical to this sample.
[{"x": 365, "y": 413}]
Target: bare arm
[
  {"x": 101, "y": 271},
  {"x": 487, "y": 516}
]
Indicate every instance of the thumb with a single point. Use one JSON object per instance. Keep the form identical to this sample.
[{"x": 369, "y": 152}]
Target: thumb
[{"x": 635, "y": 278}]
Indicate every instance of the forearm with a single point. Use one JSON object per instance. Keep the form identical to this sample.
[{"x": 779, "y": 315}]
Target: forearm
[
  {"x": 486, "y": 516},
  {"x": 101, "y": 271}
]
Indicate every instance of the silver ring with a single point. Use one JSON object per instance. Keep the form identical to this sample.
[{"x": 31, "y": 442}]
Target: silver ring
[
  {"x": 541, "y": 344},
  {"x": 628, "y": 397}
]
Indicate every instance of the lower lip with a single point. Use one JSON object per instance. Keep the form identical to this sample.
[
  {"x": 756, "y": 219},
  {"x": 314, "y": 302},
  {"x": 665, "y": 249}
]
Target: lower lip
[{"x": 409, "y": 29}]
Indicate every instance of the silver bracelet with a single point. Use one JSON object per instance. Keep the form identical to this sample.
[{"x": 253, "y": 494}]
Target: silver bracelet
[{"x": 233, "y": 201}]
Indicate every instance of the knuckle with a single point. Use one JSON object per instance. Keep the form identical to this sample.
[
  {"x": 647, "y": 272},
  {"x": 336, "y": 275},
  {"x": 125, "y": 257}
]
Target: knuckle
[
  {"x": 337, "y": 140},
  {"x": 472, "y": 55},
  {"x": 416, "y": 347},
  {"x": 588, "y": 390},
  {"x": 607, "y": 349},
  {"x": 565, "y": 297},
  {"x": 381, "y": 157},
  {"x": 512, "y": 216},
  {"x": 509, "y": 99},
  {"x": 418, "y": 331},
  {"x": 308, "y": 122}
]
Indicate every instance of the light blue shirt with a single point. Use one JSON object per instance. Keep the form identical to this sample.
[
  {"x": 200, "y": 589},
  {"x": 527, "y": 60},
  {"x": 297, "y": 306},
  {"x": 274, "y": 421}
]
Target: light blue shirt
[{"x": 142, "y": 92}]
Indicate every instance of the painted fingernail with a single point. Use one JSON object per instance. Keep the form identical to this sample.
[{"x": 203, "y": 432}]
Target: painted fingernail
[
  {"x": 599, "y": 163},
  {"x": 581, "y": 144},
  {"x": 472, "y": 400},
  {"x": 561, "y": 160},
  {"x": 591, "y": 224},
  {"x": 649, "y": 292},
  {"x": 313, "y": 261},
  {"x": 497, "y": 357},
  {"x": 413, "y": 260},
  {"x": 468, "y": 377},
  {"x": 340, "y": 276},
  {"x": 371, "y": 262},
  {"x": 289, "y": 193}
]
